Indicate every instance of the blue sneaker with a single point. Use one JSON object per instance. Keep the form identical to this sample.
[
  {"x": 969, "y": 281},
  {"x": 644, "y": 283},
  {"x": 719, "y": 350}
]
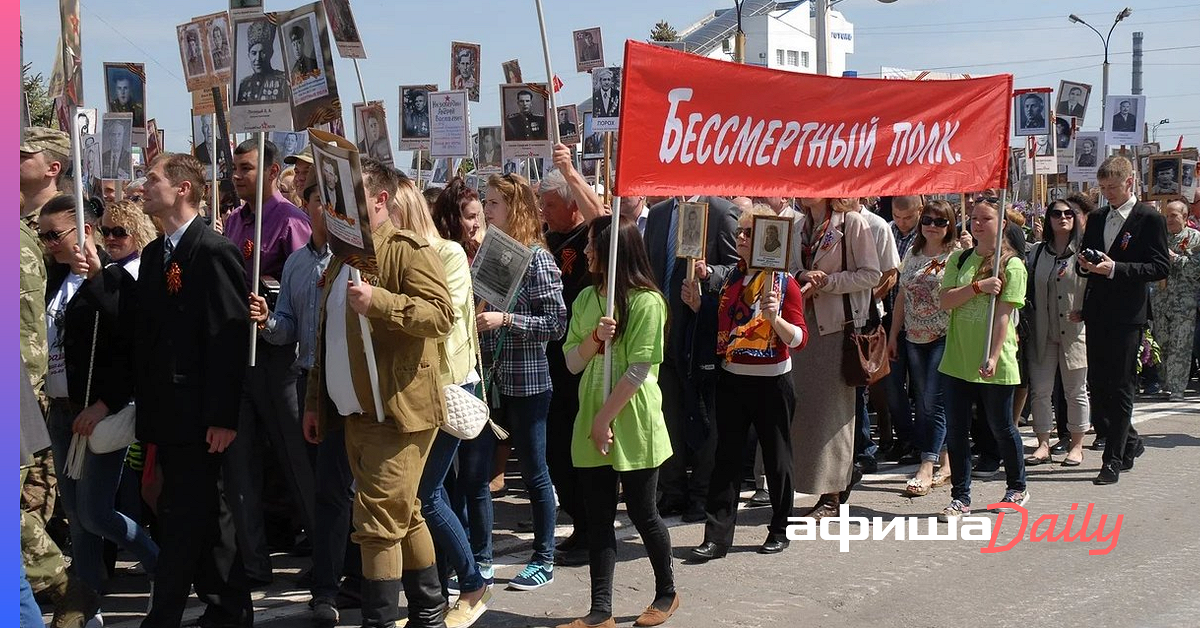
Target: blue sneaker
[
  {"x": 534, "y": 576},
  {"x": 489, "y": 578}
]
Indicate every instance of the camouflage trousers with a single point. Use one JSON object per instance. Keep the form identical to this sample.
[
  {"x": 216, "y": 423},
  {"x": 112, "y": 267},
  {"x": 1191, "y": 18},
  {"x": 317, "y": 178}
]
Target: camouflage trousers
[
  {"x": 44, "y": 563},
  {"x": 1174, "y": 325}
]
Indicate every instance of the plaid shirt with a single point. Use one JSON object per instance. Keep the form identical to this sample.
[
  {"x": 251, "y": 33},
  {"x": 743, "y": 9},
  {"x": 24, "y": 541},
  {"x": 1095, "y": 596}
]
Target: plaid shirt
[{"x": 539, "y": 316}]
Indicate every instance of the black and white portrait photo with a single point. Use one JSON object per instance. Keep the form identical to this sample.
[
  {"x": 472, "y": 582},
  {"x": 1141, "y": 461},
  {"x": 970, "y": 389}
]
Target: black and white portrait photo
[
  {"x": 606, "y": 98},
  {"x": 370, "y": 131},
  {"x": 1073, "y": 99},
  {"x": 305, "y": 58},
  {"x": 512, "y": 71},
  {"x": 333, "y": 194},
  {"x": 568, "y": 124},
  {"x": 341, "y": 21},
  {"x": 414, "y": 116},
  {"x": 464, "y": 68},
  {"x": 490, "y": 157},
  {"x": 258, "y": 64},
  {"x": 1188, "y": 176},
  {"x": 206, "y": 146},
  {"x": 1031, "y": 113},
  {"x": 1086, "y": 152},
  {"x": 90, "y": 158},
  {"x": 116, "y": 158},
  {"x": 191, "y": 50},
  {"x": 125, "y": 86},
  {"x": 87, "y": 122},
  {"x": 1062, "y": 132},
  {"x": 690, "y": 237},
  {"x": 771, "y": 245},
  {"x": 218, "y": 43},
  {"x": 593, "y": 143},
  {"x": 289, "y": 143},
  {"x": 589, "y": 51},
  {"x": 300, "y": 47},
  {"x": 499, "y": 268},
  {"x": 1166, "y": 177},
  {"x": 441, "y": 171},
  {"x": 524, "y": 114},
  {"x": 1125, "y": 117}
]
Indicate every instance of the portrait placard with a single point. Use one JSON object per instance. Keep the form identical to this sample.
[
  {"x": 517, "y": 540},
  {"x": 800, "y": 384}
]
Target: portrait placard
[
  {"x": 308, "y": 61},
  {"x": 1073, "y": 99},
  {"x": 344, "y": 29},
  {"x": 450, "y": 124},
  {"x": 771, "y": 243},
  {"x": 371, "y": 133},
  {"x": 289, "y": 143},
  {"x": 116, "y": 158},
  {"x": 464, "y": 68},
  {"x": 499, "y": 268},
  {"x": 525, "y": 131},
  {"x": 196, "y": 69},
  {"x": 215, "y": 31},
  {"x": 88, "y": 121},
  {"x": 1089, "y": 152},
  {"x": 1064, "y": 139},
  {"x": 589, "y": 49},
  {"x": 125, "y": 92},
  {"x": 90, "y": 158},
  {"x": 1126, "y": 116},
  {"x": 568, "y": 125},
  {"x": 1166, "y": 177},
  {"x": 262, "y": 99},
  {"x": 593, "y": 143},
  {"x": 691, "y": 234},
  {"x": 153, "y": 147},
  {"x": 1042, "y": 148},
  {"x": 414, "y": 116},
  {"x": 606, "y": 99},
  {"x": 1142, "y": 165},
  {"x": 512, "y": 71},
  {"x": 489, "y": 159},
  {"x": 339, "y": 180},
  {"x": 1031, "y": 112},
  {"x": 245, "y": 8},
  {"x": 1188, "y": 179}
]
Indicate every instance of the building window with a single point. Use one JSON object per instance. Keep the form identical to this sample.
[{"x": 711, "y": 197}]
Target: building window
[
  {"x": 804, "y": 58},
  {"x": 778, "y": 57},
  {"x": 793, "y": 57}
]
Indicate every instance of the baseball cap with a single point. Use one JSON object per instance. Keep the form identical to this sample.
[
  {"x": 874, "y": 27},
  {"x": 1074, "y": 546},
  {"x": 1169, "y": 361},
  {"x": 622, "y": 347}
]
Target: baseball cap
[
  {"x": 304, "y": 155},
  {"x": 39, "y": 138}
]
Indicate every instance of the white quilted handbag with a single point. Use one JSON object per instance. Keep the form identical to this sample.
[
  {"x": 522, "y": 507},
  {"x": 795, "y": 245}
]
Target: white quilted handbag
[{"x": 466, "y": 414}]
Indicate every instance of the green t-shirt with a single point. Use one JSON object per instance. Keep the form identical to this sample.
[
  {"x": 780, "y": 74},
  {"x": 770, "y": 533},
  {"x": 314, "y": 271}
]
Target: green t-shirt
[
  {"x": 640, "y": 439},
  {"x": 967, "y": 334}
]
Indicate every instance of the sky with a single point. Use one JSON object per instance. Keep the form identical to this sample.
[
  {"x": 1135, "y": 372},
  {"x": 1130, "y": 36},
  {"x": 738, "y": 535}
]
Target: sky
[{"x": 408, "y": 42}]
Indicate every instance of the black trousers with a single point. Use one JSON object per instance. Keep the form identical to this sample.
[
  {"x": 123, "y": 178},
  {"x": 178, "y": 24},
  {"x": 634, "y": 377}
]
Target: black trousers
[
  {"x": 599, "y": 486},
  {"x": 767, "y": 403},
  {"x": 688, "y": 410},
  {"x": 197, "y": 545},
  {"x": 560, "y": 425},
  {"x": 1111, "y": 351}
]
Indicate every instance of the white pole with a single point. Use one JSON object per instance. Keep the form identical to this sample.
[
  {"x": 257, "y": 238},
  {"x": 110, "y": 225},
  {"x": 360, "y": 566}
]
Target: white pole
[
  {"x": 77, "y": 168},
  {"x": 257, "y": 255},
  {"x": 611, "y": 287},
  {"x": 369, "y": 349},
  {"x": 552, "y": 113},
  {"x": 991, "y": 316}
]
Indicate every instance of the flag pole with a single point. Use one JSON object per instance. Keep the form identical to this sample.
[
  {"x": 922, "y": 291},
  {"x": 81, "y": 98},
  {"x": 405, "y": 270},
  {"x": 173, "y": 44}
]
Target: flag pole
[
  {"x": 552, "y": 112},
  {"x": 991, "y": 311},
  {"x": 257, "y": 253}
]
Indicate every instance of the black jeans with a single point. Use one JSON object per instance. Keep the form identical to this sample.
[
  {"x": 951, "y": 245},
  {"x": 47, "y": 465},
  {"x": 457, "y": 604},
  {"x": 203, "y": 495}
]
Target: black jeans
[
  {"x": 688, "y": 408},
  {"x": 599, "y": 485},
  {"x": 560, "y": 425},
  {"x": 767, "y": 403},
  {"x": 1111, "y": 351}
]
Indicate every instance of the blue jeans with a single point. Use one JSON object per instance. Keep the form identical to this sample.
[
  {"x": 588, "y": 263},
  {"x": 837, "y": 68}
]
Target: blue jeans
[
  {"x": 31, "y": 615},
  {"x": 90, "y": 504},
  {"x": 997, "y": 402},
  {"x": 449, "y": 537},
  {"x": 864, "y": 447},
  {"x": 334, "y": 555},
  {"x": 899, "y": 406},
  {"x": 927, "y": 384},
  {"x": 474, "y": 472}
]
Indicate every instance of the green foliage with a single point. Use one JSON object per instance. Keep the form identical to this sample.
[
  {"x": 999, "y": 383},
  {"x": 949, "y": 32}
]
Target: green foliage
[
  {"x": 663, "y": 32},
  {"x": 41, "y": 107}
]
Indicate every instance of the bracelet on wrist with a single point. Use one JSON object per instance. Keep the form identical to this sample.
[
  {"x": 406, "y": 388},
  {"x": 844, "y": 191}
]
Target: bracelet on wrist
[
  {"x": 975, "y": 287},
  {"x": 596, "y": 338}
]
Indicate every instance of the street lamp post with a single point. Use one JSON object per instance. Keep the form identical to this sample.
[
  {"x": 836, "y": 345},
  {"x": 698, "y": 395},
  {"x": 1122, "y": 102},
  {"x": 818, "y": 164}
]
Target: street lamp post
[
  {"x": 821, "y": 10},
  {"x": 1154, "y": 129},
  {"x": 1075, "y": 19}
]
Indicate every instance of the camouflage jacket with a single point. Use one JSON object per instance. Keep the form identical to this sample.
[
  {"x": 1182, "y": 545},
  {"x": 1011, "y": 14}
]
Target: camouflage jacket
[{"x": 34, "y": 352}]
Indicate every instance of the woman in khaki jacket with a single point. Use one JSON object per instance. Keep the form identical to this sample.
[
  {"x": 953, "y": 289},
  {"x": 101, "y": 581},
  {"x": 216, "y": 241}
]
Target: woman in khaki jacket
[
  {"x": 1057, "y": 334},
  {"x": 823, "y": 429}
]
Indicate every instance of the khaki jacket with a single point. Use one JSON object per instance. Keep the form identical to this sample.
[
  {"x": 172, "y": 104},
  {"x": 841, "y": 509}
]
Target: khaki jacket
[
  {"x": 1044, "y": 284},
  {"x": 857, "y": 281},
  {"x": 410, "y": 310}
]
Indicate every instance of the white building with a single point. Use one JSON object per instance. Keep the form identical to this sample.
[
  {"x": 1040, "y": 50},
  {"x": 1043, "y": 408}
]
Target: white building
[{"x": 779, "y": 35}]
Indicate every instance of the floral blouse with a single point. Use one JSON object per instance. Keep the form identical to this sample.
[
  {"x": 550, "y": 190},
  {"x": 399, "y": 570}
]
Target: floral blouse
[{"x": 920, "y": 282}]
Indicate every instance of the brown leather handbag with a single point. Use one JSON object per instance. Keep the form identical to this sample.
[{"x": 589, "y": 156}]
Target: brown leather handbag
[{"x": 864, "y": 354}]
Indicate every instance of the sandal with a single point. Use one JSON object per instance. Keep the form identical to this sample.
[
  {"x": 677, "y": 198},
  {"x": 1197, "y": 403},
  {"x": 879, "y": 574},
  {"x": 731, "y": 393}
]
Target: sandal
[
  {"x": 916, "y": 488},
  {"x": 1033, "y": 461},
  {"x": 939, "y": 479}
]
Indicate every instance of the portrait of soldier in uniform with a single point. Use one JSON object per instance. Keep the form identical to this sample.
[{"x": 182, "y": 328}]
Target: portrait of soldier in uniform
[
  {"x": 265, "y": 84},
  {"x": 218, "y": 41},
  {"x": 126, "y": 93},
  {"x": 302, "y": 49},
  {"x": 194, "y": 56},
  {"x": 464, "y": 72},
  {"x": 416, "y": 112},
  {"x": 524, "y": 124}
]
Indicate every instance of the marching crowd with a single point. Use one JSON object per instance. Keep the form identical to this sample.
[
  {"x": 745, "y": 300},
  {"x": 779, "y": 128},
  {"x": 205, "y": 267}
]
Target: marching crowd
[{"x": 719, "y": 372}]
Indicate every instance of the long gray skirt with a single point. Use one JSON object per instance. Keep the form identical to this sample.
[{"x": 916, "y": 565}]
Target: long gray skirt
[{"x": 823, "y": 426}]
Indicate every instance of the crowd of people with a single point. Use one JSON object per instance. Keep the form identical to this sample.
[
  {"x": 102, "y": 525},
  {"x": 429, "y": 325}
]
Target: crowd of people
[{"x": 720, "y": 373}]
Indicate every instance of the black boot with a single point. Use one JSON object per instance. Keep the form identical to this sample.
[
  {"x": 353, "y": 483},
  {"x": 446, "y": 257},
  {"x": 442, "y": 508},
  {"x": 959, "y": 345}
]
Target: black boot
[
  {"x": 426, "y": 605},
  {"x": 381, "y": 602}
]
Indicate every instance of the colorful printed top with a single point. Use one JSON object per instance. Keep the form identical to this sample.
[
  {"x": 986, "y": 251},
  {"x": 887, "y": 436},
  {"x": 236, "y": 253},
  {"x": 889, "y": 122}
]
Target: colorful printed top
[{"x": 920, "y": 282}]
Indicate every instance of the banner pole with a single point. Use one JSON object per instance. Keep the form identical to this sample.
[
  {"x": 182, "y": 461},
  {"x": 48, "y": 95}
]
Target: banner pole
[
  {"x": 257, "y": 253},
  {"x": 214, "y": 211},
  {"x": 611, "y": 292},
  {"x": 991, "y": 312},
  {"x": 552, "y": 114},
  {"x": 369, "y": 349},
  {"x": 77, "y": 168}
]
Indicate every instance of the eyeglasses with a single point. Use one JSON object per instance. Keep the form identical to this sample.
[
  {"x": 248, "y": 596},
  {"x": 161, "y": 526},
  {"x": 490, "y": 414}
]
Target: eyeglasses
[
  {"x": 937, "y": 222},
  {"x": 1061, "y": 213},
  {"x": 115, "y": 232},
  {"x": 742, "y": 231},
  {"x": 54, "y": 237}
]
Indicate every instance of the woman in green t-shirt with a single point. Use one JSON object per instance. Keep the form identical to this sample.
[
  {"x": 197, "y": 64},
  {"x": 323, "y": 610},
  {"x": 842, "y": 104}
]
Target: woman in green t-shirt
[
  {"x": 967, "y": 290},
  {"x": 624, "y": 435}
]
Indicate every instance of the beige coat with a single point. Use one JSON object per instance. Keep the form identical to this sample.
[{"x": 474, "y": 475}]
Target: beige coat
[
  {"x": 1044, "y": 284},
  {"x": 863, "y": 273}
]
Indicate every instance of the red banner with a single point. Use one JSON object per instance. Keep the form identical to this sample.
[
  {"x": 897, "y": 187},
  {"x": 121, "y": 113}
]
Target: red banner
[{"x": 692, "y": 125}]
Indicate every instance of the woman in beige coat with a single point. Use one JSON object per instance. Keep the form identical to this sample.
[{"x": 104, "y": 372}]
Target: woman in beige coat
[{"x": 823, "y": 429}]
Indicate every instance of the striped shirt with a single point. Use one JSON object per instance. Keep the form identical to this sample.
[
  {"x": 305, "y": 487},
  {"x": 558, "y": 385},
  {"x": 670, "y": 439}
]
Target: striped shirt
[{"x": 538, "y": 316}]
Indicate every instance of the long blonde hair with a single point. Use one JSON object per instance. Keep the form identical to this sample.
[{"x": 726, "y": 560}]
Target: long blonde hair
[
  {"x": 408, "y": 210},
  {"x": 1006, "y": 250},
  {"x": 524, "y": 223}
]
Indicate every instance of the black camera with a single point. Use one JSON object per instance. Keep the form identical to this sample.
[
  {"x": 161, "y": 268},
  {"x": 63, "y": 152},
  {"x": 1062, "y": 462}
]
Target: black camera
[{"x": 1092, "y": 256}]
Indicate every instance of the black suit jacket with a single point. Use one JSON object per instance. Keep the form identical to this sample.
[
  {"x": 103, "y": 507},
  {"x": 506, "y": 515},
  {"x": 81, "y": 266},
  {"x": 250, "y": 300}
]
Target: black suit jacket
[
  {"x": 1124, "y": 123},
  {"x": 689, "y": 342},
  {"x": 1140, "y": 251},
  {"x": 112, "y": 295},
  {"x": 1065, "y": 109},
  {"x": 192, "y": 346}
]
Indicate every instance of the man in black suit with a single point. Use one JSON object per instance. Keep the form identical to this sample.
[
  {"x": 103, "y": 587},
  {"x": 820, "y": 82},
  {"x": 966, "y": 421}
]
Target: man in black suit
[
  {"x": 1033, "y": 112},
  {"x": 688, "y": 371},
  {"x": 606, "y": 96},
  {"x": 331, "y": 188},
  {"x": 190, "y": 360},
  {"x": 1072, "y": 105},
  {"x": 1125, "y": 121},
  {"x": 1132, "y": 239}
]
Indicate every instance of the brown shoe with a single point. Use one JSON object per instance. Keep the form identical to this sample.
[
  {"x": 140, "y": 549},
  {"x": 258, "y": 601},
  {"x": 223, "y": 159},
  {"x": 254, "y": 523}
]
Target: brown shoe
[
  {"x": 826, "y": 507},
  {"x": 654, "y": 617},
  {"x": 578, "y": 623},
  {"x": 75, "y": 606}
]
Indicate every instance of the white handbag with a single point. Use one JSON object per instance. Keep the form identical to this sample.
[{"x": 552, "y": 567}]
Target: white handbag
[
  {"x": 466, "y": 414},
  {"x": 113, "y": 432}
]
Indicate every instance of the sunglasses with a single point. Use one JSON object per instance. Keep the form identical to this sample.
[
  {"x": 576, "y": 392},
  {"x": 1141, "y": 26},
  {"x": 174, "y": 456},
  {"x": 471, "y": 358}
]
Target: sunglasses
[
  {"x": 1061, "y": 213},
  {"x": 742, "y": 231},
  {"x": 937, "y": 222},
  {"x": 115, "y": 232},
  {"x": 53, "y": 237},
  {"x": 990, "y": 200}
]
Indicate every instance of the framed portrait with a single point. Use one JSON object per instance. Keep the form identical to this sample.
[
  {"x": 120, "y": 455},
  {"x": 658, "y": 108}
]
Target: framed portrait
[
  {"x": 489, "y": 158},
  {"x": 1073, "y": 99},
  {"x": 289, "y": 142},
  {"x": 371, "y": 133},
  {"x": 568, "y": 124},
  {"x": 1126, "y": 116},
  {"x": 587, "y": 167},
  {"x": 191, "y": 51},
  {"x": 88, "y": 121},
  {"x": 217, "y": 32},
  {"x": 240, "y": 8},
  {"x": 1188, "y": 179},
  {"x": 606, "y": 99},
  {"x": 523, "y": 108},
  {"x": 593, "y": 143},
  {"x": 450, "y": 124},
  {"x": 125, "y": 91},
  {"x": 414, "y": 116},
  {"x": 464, "y": 68},
  {"x": 116, "y": 146},
  {"x": 262, "y": 93},
  {"x": 1031, "y": 112},
  {"x": 344, "y": 29},
  {"x": 691, "y": 233},
  {"x": 512, "y": 71},
  {"x": 589, "y": 50},
  {"x": 771, "y": 243},
  {"x": 1089, "y": 152},
  {"x": 424, "y": 164},
  {"x": 1143, "y": 161},
  {"x": 338, "y": 175},
  {"x": 90, "y": 158},
  {"x": 1166, "y": 177},
  {"x": 499, "y": 268},
  {"x": 304, "y": 59}
]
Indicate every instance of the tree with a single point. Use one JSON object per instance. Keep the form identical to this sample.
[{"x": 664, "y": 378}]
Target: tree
[
  {"x": 663, "y": 32},
  {"x": 41, "y": 107}
]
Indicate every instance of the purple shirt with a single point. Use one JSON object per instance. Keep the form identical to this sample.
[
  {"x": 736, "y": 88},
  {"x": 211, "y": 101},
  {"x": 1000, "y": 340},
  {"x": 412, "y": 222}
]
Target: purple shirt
[{"x": 284, "y": 229}]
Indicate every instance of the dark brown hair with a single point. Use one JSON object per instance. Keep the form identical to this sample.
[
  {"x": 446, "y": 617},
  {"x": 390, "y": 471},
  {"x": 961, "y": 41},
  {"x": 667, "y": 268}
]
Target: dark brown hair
[
  {"x": 633, "y": 263},
  {"x": 937, "y": 208},
  {"x": 447, "y": 214}
]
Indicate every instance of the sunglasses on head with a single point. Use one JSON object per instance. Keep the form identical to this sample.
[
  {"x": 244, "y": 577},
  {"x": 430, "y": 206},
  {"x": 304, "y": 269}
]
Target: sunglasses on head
[
  {"x": 742, "y": 231},
  {"x": 116, "y": 232},
  {"x": 1061, "y": 213},
  {"x": 991, "y": 200},
  {"x": 937, "y": 222},
  {"x": 52, "y": 237}
]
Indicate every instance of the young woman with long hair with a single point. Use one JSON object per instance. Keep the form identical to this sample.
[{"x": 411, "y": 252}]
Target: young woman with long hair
[
  {"x": 456, "y": 213},
  {"x": 622, "y": 437}
]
